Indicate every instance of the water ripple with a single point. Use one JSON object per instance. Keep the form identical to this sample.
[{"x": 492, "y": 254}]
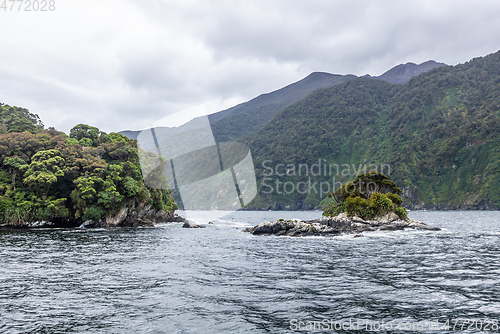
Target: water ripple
[{"x": 219, "y": 279}]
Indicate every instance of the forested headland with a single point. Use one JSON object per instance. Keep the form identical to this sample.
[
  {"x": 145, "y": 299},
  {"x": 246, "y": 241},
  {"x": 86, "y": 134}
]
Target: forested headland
[{"x": 49, "y": 178}]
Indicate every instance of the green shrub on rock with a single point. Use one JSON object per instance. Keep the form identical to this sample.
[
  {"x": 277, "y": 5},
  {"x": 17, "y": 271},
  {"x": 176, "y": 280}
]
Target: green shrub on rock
[
  {"x": 401, "y": 212},
  {"x": 380, "y": 204},
  {"x": 357, "y": 206},
  {"x": 369, "y": 196},
  {"x": 394, "y": 198}
]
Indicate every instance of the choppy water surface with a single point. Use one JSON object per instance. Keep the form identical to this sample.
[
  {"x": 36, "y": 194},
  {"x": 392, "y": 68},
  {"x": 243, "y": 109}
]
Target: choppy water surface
[{"x": 221, "y": 280}]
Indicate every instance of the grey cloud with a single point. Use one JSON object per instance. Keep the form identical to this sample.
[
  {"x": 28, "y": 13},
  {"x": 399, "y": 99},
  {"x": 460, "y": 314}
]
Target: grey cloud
[
  {"x": 344, "y": 35},
  {"x": 125, "y": 64}
]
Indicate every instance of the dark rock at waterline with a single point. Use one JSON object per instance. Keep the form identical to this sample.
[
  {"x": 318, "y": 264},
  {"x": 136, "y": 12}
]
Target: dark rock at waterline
[
  {"x": 147, "y": 217},
  {"x": 126, "y": 217},
  {"x": 175, "y": 218},
  {"x": 190, "y": 224},
  {"x": 341, "y": 224},
  {"x": 55, "y": 223},
  {"x": 35, "y": 224}
]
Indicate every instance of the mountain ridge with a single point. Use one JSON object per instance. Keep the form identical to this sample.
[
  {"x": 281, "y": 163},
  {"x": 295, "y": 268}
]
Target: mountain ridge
[
  {"x": 247, "y": 117},
  {"x": 402, "y": 73}
]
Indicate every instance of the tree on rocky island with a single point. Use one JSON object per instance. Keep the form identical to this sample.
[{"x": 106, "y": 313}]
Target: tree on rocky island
[{"x": 369, "y": 196}]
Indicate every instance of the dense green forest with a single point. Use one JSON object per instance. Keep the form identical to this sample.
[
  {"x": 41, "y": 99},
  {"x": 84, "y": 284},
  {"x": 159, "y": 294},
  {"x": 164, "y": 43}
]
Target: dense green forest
[
  {"x": 437, "y": 136},
  {"x": 46, "y": 175}
]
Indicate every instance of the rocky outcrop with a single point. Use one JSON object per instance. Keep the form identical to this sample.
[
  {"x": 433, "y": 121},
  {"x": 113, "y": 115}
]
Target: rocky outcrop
[
  {"x": 56, "y": 223},
  {"x": 190, "y": 224},
  {"x": 35, "y": 224},
  {"x": 341, "y": 224},
  {"x": 127, "y": 217}
]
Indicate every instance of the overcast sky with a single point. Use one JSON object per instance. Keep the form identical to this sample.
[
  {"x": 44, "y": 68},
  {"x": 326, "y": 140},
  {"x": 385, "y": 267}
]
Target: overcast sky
[{"x": 124, "y": 64}]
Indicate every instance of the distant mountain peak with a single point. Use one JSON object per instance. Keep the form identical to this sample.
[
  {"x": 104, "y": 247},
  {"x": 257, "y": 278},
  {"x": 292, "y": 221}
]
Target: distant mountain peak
[
  {"x": 402, "y": 73},
  {"x": 315, "y": 75}
]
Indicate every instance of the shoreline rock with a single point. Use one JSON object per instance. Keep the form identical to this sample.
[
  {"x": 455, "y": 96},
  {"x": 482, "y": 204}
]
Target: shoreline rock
[
  {"x": 126, "y": 217},
  {"x": 147, "y": 217},
  {"x": 338, "y": 225},
  {"x": 190, "y": 224},
  {"x": 56, "y": 223}
]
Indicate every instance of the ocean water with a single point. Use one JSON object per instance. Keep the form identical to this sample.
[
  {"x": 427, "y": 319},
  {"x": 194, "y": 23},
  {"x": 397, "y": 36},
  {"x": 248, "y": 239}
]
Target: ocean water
[{"x": 221, "y": 280}]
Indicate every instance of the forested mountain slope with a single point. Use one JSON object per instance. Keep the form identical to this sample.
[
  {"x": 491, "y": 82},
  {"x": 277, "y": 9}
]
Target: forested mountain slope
[{"x": 438, "y": 134}]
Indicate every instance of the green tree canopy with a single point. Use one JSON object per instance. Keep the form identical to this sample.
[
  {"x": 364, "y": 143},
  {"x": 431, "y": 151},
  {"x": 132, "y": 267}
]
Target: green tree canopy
[
  {"x": 43, "y": 171},
  {"x": 15, "y": 165},
  {"x": 81, "y": 131},
  {"x": 16, "y": 119}
]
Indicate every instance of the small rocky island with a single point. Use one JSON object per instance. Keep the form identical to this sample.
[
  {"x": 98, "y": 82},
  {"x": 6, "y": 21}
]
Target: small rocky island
[
  {"x": 338, "y": 225},
  {"x": 369, "y": 203}
]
